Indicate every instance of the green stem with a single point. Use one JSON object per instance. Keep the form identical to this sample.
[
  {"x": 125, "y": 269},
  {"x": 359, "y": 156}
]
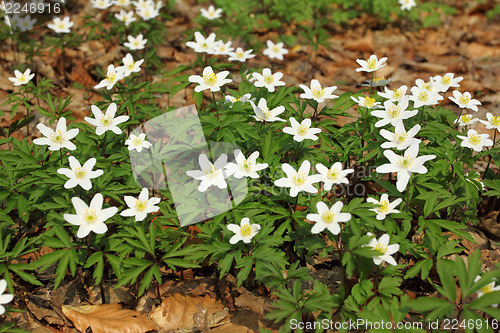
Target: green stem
[
  {"x": 371, "y": 85},
  {"x": 61, "y": 155},
  {"x": 422, "y": 115},
  {"x": 104, "y": 143},
  {"x": 491, "y": 157}
]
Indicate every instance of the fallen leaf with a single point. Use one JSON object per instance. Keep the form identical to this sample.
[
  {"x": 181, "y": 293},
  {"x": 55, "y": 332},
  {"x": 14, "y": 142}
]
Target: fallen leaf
[{"x": 107, "y": 318}]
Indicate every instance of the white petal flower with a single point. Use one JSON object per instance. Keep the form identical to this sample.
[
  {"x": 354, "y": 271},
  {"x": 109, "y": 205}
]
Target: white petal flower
[
  {"x": 240, "y": 55},
  {"x": 400, "y": 139},
  {"x": 443, "y": 83},
  {"x": 210, "y": 174},
  {"x": 328, "y": 218},
  {"x": 493, "y": 121},
  {"x": 404, "y": 165},
  {"x": 275, "y": 51},
  {"x": 464, "y": 100},
  {"x": 367, "y": 102},
  {"x": 80, "y": 175},
  {"x": 90, "y": 218},
  {"x": 385, "y": 207},
  {"x": 393, "y": 113},
  {"x": 223, "y": 48},
  {"x": 147, "y": 13},
  {"x": 466, "y": 119},
  {"x": 245, "y": 167},
  {"x": 142, "y": 206},
  {"x": 382, "y": 245},
  {"x": 105, "y": 122},
  {"x": 298, "y": 181},
  {"x": 210, "y": 80},
  {"x": 243, "y": 232},
  {"x": 407, "y": 4},
  {"x": 61, "y": 26},
  {"x": 21, "y": 78},
  {"x": 57, "y": 139},
  {"x": 101, "y": 4},
  {"x": 131, "y": 66},
  {"x": 113, "y": 75},
  {"x": 243, "y": 99},
  {"x": 268, "y": 80},
  {"x": 475, "y": 141},
  {"x": 318, "y": 93},
  {"x": 394, "y": 95},
  {"x": 125, "y": 17},
  {"x": 262, "y": 112},
  {"x": 137, "y": 142},
  {"x": 211, "y": 13},
  {"x": 302, "y": 131},
  {"x": 372, "y": 64},
  {"x": 490, "y": 287},
  {"x": 422, "y": 96},
  {"x": 135, "y": 43},
  {"x": 333, "y": 175},
  {"x": 202, "y": 44},
  {"x": 4, "y": 297}
]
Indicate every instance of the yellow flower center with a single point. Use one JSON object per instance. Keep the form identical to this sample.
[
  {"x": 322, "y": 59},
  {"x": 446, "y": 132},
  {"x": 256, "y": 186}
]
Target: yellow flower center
[
  {"x": 333, "y": 173},
  {"x": 246, "y": 230},
  {"x": 495, "y": 121},
  {"x": 299, "y": 179},
  {"x": 111, "y": 77},
  {"x": 400, "y": 137},
  {"x": 61, "y": 25},
  {"x": 428, "y": 86},
  {"x": 141, "y": 205},
  {"x": 80, "y": 172},
  {"x": 464, "y": 99},
  {"x": 405, "y": 162},
  {"x": 57, "y": 136},
  {"x": 246, "y": 165},
  {"x": 240, "y": 54},
  {"x": 137, "y": 141},
  {"x": 397, "y": 93},
  {"x": 465, "y": 118},
  {"x": 394, "y": 111},
  {"x": 487, "y": 289},
  {"x": 266, "y": 112},
  {"x": 106, "y": 120},
  {"x": 22, "y": 78},
  {"x": 269, "y": 78},
  {"x": 90, "y": 216},
  {"x": 369, "y": 102},
  {"x": 136, "y": 43},
  {"x": 381, "y": 247},
  {"x": 423, "y": 96},
  {"x": 210, "y": 79},
  {"x": 446, "y": 80},
  {"x": 372, "y": 63},
  {"x": 302, "y": 130},
  {"x": 475, "y": 139},
  {"x": 383, "y": 206},
  {"x": 318, "y": 92},
  {"x": 212, "y": 172},
  {"x": 131, "y": 65},
  {"x": 328, "y": 217},
  {"x": 276, "y": 49},
  {"x": 378, "y": 79}
]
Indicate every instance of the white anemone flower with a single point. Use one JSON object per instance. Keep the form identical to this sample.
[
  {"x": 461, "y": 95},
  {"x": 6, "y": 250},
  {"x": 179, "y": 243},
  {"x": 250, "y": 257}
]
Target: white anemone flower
[
  {"x": 101, "y": 4},
  {"x": 243, "y": 99},
  {"x": 382, "y": 245},
  {"x": 367, "y": 102},
  {"x": 125, "y": 17},
  {"x": 4, "y": 297},
  {"x": 147, "y": 13},
  {"x": 21, "y": 78},
  {"x": 490, "y": 287},
  {"x": 298, "y": 181},
  {"x": 80, "y": 175},
  {"x": 138, "y": 142},
  {"x": 223, "y": 48},
  {"x": 493, "y": 122},
  {"x": 466, "y": 119},
  {"x": 445, "y": 82},
  {"x": 210, "y": 174},
  {"x": 105, "y": 122},
  {"x": 59, "y": 138},
  {"x": 113, "y": 75},
  {"x": 404, "y": 165},
  {"x": 131, "y": 66},
  {"x": 90, "y": 218},
  {"x": 268, "y": 79},
  {"x": 202, "y": 44},
  {"x": 317, "y": 92},
  {"x": 135, "y": 43},
  {"x": 372, "y": 64},
  {"x": 210, "y": 80},
  {"x": 400, "y": 139},
  {"x": 211, "y": 13},
  {"x": 263, "y": 113},
  {"x": 394, "y": 95},
  {"x": 393, "y": 113},
  {"x": 142, "y": 206},
  {"x": 61, "y": 26},
  {"x": 245, "y": 167},
  {"x": 243, "y": 232},
  {"x": 333, "y": 175},
  {"x": 475, "y": 141},
  {"x": 302, "y": 131},
  {"x": 384, "y": 206},
  {"x": 464, "y": 100},
  {"x": 240, "y": 55},
  {"x": 328, "y": 218},
  {"x": 275, "y": 51},
  {"x": 407, "y": 4},
  {"x": 422, "y": 96}
]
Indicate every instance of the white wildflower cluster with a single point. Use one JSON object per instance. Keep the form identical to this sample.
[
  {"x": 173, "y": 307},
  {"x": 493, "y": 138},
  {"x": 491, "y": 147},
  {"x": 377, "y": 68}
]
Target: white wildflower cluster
[
  {"x": 115, "y": 74},
  {"x": 145, "y": 9}
]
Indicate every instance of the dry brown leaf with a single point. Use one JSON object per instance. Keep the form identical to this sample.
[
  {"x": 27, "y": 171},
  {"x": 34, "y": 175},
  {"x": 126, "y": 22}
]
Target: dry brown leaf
[
  {"x": 180, "y": 311},
  {"x": 107, "y": 318},
  {"x": 81, "y": 75}
]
